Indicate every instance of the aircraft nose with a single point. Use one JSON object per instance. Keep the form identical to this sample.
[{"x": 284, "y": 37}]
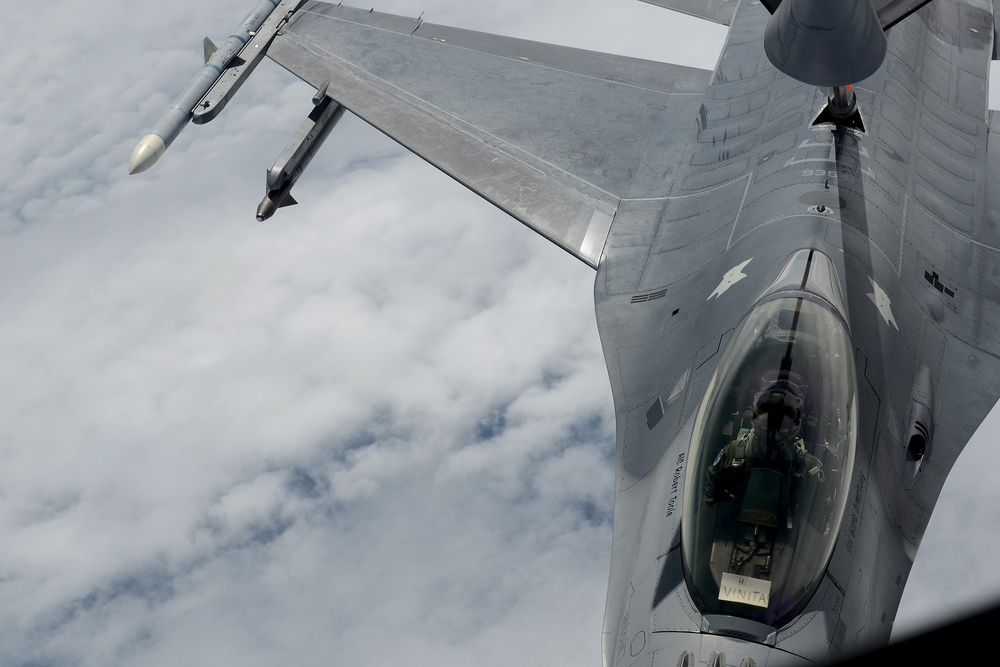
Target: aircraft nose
[{"x": 146, "y": 153}]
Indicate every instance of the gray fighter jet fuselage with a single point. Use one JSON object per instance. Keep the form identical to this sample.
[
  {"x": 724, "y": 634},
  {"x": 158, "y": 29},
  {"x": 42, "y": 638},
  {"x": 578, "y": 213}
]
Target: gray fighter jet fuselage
[
  {"x": 796, "y": 289},
  {"x": 899, "y": 222}
]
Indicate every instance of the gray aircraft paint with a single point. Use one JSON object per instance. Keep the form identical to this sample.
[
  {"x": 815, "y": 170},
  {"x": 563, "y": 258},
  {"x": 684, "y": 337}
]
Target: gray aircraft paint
[
  {"x": 906, "y": 201},
  {"x": 729, "y": 178}
]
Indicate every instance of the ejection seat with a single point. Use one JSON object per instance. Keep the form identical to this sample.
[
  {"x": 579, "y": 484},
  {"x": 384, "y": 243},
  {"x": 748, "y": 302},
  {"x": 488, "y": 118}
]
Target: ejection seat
[{"x": 758, "y": 520}]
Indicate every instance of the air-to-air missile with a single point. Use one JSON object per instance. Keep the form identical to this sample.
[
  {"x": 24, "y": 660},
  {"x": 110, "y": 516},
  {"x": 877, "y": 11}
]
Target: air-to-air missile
[
  {"x": 211, "y": 88},
  {"x": 298, "y": 153},
  {"x": 215, "y": 84}
]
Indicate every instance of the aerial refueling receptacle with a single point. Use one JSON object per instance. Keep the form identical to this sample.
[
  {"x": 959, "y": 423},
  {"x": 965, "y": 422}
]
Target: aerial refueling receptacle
[
  {"x": 296, "y": 156},
  {"x": 203, "y": 97},
  {"x": 825, "y": 44}
]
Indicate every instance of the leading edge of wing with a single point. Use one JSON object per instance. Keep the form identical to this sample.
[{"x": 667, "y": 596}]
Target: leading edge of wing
[{"x": 554, "y": 136}]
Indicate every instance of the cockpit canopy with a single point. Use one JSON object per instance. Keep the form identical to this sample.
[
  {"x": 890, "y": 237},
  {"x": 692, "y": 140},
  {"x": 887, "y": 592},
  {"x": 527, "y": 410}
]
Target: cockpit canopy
[{"x": 773, "y": 451}]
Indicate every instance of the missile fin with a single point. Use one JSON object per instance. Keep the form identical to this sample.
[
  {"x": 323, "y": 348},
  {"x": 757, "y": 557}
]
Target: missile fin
[
  {"x": 210, "y": 49},
  {"x": 288, "y": 201}
]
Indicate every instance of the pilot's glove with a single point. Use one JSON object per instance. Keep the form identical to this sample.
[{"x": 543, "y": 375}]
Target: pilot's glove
[{"x": 817, "y": 472}]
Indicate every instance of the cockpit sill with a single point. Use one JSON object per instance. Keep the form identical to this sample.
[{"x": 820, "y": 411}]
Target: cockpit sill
[
  {"x": 739, "y": 628},
  {"x": 771, "y": 456}
]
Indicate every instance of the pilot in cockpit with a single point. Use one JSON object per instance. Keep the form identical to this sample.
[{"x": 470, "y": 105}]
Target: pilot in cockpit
[{"x": 774, "y": 442}]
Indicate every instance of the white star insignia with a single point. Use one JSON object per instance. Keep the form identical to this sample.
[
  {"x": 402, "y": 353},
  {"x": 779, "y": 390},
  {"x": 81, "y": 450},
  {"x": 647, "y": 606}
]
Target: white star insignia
[
  {"x": 733, "y": 276},
  {"x": 881, "y": 301}
]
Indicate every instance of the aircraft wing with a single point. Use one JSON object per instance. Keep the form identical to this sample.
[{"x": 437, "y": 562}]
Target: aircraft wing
[
  {"x": 717, "y": 11},
  {"x": 554, "y": 136}
]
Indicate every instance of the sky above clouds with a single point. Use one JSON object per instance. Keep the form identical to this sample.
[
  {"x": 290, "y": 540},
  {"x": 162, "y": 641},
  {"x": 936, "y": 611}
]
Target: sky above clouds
[{"x": 376, "y": 429}]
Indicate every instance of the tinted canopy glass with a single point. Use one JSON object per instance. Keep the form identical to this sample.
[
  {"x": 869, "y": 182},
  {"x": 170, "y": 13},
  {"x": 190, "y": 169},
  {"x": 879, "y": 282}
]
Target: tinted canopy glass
[{"x": 771, "y": 461}]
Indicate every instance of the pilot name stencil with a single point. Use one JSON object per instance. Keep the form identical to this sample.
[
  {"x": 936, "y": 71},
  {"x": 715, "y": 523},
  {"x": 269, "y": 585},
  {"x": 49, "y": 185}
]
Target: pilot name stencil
[{"x": 675, "y": 485}]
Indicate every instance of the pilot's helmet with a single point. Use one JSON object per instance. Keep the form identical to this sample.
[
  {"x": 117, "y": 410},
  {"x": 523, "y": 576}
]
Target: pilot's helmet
[{"x": 777, "y": 415}]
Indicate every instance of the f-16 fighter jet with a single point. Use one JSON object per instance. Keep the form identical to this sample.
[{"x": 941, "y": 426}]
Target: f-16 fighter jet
[{"x": 797, "y": 279}]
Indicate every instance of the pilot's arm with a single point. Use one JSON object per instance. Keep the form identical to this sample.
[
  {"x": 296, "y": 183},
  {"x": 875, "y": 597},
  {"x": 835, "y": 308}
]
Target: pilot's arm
[
  {"x": 811, "y": 466},
  {"x": 724, "y": 458},
  {"x": 708, "y": 498}
]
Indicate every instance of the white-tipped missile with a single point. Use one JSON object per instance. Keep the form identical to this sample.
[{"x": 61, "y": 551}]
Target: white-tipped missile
[
  {"x": 298, "y": 153},
  {"x": 176, "y": 117},
  {"x": 146, "y": 153}
]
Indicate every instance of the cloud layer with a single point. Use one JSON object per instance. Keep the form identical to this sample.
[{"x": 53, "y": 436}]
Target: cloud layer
[{"x": 374, "y": 430}]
